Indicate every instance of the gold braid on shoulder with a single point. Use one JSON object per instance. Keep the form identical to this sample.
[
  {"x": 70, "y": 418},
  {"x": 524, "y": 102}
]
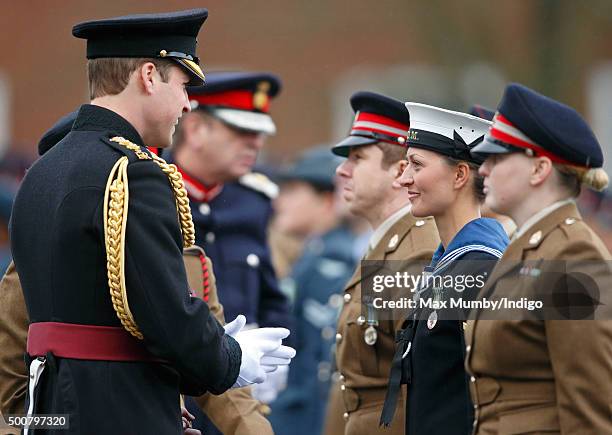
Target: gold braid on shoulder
[{"x": 116, "y": 202}]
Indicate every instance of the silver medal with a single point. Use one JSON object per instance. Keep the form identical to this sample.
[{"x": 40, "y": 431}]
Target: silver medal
[
  {"x": 432, "y": 320},
  {"x": 370, "y": 335}
]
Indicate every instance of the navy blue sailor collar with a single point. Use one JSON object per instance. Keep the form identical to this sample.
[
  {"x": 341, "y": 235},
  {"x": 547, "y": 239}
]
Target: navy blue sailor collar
[{"x": 481, "y": 234}]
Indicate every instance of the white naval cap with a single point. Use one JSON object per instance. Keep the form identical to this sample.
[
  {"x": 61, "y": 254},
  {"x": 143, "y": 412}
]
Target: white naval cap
[{"x": 445, "y": 131}]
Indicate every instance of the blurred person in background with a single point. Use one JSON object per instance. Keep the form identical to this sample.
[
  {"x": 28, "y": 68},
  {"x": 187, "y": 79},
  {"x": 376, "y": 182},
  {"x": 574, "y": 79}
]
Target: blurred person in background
[
  {"x": 374, "y": 153},
  {"x": 215, "y": 148},
  {"x": 307, "y": 208}
]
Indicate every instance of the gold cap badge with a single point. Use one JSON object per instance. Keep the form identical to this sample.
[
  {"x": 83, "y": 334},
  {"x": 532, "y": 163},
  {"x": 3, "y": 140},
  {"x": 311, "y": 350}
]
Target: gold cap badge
[{"x": 260, "y": 97}]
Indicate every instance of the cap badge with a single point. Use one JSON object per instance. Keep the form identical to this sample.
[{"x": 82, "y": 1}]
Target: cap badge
[
  {"x": 260, "y": 97},
  {"x": 163, "y": 53},
  {"x": 412, "y": 135}
]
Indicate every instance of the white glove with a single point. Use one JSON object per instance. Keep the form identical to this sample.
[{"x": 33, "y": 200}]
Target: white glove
[
  {"x": 262, "y": 351},
  {"x": 276, "y": 382}
]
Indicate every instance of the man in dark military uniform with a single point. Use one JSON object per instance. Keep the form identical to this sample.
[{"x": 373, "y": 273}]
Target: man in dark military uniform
[
  {"x": 215, "y": 149},
  {"x": 307, "y": 206},
  {"x": 95, "y": 356}
]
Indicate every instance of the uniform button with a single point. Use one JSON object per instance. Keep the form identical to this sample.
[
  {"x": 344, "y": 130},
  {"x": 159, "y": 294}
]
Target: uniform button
[
  {"x": 393, "y": 241},
  {"x": 342, "y": 378},
  {"x": 345, "y": 416},
  {"x": 472, "y": 379},
  {"x": 475, "y": 422},
  {"x": 204, "y": 209},
  {"x": 475, "y": 406},
  {"x": 338, "y": 337},
  {"x": 468, "y": 348},
  {"x": 570, "y": 221},
  {"x": 347, "y": 298},
  {"x": 343, "y": 387},
  {"x": 210, "y": 237},
  {"x": 419, "y": 223},
  {"x": 360, "y": 320},
  {"x": 252, "y": 260}
]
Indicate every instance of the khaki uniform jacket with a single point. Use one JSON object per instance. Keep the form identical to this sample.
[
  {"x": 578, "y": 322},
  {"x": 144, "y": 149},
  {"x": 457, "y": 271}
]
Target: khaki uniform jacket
[
  {"x": 532, "y": 376},
  {"x": 233, "y": 412},
  {"x": 364, "y": 369}
]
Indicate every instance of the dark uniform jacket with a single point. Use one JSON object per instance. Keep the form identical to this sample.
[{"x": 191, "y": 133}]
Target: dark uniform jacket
[
  {"x": 438, "y": 395},
  {"x": 232, "y": 227},
  {"x": 544, "y": 376},
  {"x": 58, "y": 245},
  {"x": 234, "y": 411}
]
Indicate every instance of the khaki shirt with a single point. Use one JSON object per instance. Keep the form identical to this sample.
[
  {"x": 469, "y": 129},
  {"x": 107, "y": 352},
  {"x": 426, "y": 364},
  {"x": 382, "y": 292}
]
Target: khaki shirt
[
  {"x": 553, "y": 376},
  {"x": 364, "y": 369},
  {"x": 234, "y": 411}
]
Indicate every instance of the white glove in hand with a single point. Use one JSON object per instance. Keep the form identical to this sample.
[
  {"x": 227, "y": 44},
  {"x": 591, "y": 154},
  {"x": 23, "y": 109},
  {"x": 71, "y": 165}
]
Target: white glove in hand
[
  {"x": 262, "y": 351},
  {"x": 276, "y": 382}
]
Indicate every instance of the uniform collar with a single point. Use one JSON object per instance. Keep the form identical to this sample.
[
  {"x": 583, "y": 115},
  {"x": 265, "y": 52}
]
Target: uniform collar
[
  {"x": 540, "y": 215},
  {"x": 96, "y": 118},
  {"x": 481, "y": 234},
  {"x": 198, "y": 191},
  {"x": 382, "y": 229}
]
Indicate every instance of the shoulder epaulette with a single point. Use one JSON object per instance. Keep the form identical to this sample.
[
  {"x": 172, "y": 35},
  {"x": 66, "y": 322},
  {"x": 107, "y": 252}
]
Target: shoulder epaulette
[
  {"x": 260, "y": 183},
  {"x": 128, "y": 148}
]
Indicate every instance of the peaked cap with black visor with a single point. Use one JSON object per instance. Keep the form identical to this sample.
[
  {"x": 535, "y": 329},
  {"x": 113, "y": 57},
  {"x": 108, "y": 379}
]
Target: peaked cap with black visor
[
  {"x": 378, "y": 118},
  {"x": 536, "y": 125},
  {"x": 170, "y": 36},
  {"x": 450, "y": 133}
]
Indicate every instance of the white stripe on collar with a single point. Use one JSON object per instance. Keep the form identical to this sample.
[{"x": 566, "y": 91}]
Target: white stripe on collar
[{"x": 448, "y": 258}]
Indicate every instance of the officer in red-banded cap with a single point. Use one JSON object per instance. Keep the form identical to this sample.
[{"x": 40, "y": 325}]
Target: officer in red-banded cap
[{"x": 215, "y": 148}]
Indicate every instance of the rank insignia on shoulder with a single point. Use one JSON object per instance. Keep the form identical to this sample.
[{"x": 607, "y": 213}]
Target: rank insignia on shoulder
[
  {"x": 142, "y": 155},
  {"x": 260, "y": 183}
]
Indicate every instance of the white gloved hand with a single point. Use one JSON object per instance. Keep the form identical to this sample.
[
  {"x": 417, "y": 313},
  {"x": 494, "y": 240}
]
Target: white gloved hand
[
  {"x": 262, "y": 351},
  {"x": 268, "y": 391}
]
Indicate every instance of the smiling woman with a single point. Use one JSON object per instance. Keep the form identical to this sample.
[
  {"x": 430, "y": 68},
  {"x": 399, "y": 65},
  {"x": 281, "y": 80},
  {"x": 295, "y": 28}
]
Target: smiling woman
[{"x": 442, "y": 181}]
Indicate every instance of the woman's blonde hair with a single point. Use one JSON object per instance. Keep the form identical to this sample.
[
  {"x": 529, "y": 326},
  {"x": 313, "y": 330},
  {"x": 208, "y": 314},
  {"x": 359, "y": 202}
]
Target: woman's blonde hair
[{"x": 572, "y": 177}]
